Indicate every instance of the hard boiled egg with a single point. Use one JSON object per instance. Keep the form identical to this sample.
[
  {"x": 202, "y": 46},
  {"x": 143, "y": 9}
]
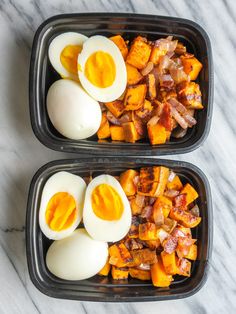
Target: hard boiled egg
[
  {"x": 102, "y": 70},
  {"x": 63, "y": 53},
  {"x": 72, "y": 111},
  {"x": 61, "y": 205},
  {"x": 107, "y": 213},
  {"x": 76, "y": 257}
]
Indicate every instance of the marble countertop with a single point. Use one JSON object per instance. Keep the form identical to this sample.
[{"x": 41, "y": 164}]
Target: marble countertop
[{"x": 21, "y": 153}]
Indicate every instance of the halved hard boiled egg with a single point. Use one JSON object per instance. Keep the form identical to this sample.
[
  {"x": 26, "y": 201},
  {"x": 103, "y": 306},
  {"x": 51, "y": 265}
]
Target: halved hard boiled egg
[
  {"x": 102, "y": 70},
  {"x": 107, "y": 213},
  {"x": 63, "y": 53},
  {"x": 61, "y": 205}
]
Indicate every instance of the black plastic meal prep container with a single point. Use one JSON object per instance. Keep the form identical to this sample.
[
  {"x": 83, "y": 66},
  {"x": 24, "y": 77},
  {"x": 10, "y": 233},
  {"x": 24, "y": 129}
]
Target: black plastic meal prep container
[
  {"x": 42, "y": 76},
  {"x": 100, "y": 288}
]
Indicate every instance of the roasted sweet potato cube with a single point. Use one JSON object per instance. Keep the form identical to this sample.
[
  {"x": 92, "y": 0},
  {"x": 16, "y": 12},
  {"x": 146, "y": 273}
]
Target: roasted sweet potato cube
[
  {"x": 175, "y": 184},
  {"x": 192, "y": 66},
  {"x": 192, "y": 254},
  {"x": 149, "y": 174},
  {"x": 157, "y": 134},
  {"x": 189, "y": 94},
  {"x": 119, "y": 255},
  {"x": 133, "y": 75},
  {"x": 145, "y": 110},
  {"x": 152, "y": 92},
  {"x": 105, "y": 270},
  {"x": 163, "y": 178},
  {"x": 191, "y": 193},
  {"x": 127, "y": 181},
  {"x": 135, "y": 96},
  {"x": 135, "y": 208},
  {"x": 153, "y": 244},
  {"x": 139, "y": 53},
  {"x": 143, "y": 256},
  {"x": 117, "y": 133},
  {"x": 184, "y": 217},
  {"x": 156, "y": 54},
  {"x": 140, "y": 273},
  {"x": 104, "y": 129},
  {"x": 169, "y": 262},
  {"x": 164, "y": 203},
  {"x": 134, "y": 228},
  {"x": 119, "y": 273},
  {"x": 121, "y": 44},
  {"x": 115, "y": 107},
  {"x": 159, "y": 276},
  {"x": 148, "y": 231},
  {"x": 183, "y": 267},
  {"x": 130, "y": 132}
]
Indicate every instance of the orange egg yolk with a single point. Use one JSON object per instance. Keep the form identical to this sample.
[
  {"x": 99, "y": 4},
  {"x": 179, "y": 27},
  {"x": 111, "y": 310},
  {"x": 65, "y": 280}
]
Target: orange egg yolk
[
  {"x": 69, "y": 56},
  {"x": 61, "y": 211},
  {"x": 107, "y": 203},
  {"x": 100, "y": 69}
]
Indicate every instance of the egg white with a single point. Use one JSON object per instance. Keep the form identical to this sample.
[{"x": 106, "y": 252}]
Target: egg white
[
  {"x": 104, "y": 230},
  {"x": 56, "y": 47},
  {"x": 101, "y": 43},
  {"x": 72, "y": 111},
  {"x": 76, "y": 257},
  {"x": 62, "y": 182}
]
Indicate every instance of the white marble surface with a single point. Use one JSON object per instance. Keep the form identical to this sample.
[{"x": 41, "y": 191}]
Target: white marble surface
[{"x": 21, "y": 153}]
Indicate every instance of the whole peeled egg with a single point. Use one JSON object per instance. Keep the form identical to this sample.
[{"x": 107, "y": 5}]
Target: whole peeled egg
[
  {"x": 76, "y": 257},
  {"x": 107, "y": 212},
  {"x": 72, "y": 111},
  {"x": 61, "y": 205},
  {"x": 63, "y": 53}
]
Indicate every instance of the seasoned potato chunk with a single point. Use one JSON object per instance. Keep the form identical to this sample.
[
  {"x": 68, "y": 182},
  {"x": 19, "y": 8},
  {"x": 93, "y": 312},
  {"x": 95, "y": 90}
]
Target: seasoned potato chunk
[
  {"x": 133, "y": 75},
  {"x": 148, "y": 231},
  {"x": 119, "y": 273},
  {"x": 184, "y": 217},
  {"x": 164, "y": 203},
  {"x": 156, "y": 54},
  {"x": 157, "y": 134},
  {"x": 175, "y": 184},
  {"x": 139, "y": 53},
  {"x": 140, "y": 273},
  {"x": 190, "y": 95},
  {"x": 117, "y": 133},
  {"x": 119, "y": 255},
  {"x": 104, "y": 129},
  {"x": 169, "y": 262},
  {"x": 105, "y": 270},
  {"x": 191, "y": 193},
  {"x": 159, "y": 276},
  {"x": 115, "y": 107},
  {"x": 192, "y": 66},
  {"x": 121, "y": 44},
  {"x": 130, "y": 132},
  {"x": 192, "y": 254},
  {"x": 135, "y": 97},
  {"x": 152, "y": 92},
  {"x": 127, "y": 181},
  {"x": 144, "y": 256}
]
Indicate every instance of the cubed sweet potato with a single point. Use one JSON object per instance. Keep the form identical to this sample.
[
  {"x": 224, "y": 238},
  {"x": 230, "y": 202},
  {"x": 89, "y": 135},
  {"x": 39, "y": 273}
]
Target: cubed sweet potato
[
  {"x": 157, "y": 134},
  {"x": 169, "y": 262},
  {"x": 135, "y": 208},
  {"x": 140, "y": 273},
  {"x": 145, "y": 110},
  {"x": 192, "y": 254},
  {"x": 117, "y": 133},
  {"x": 151, "y": 82},
  {"x": 175, "y": 184},
  {"x": 130, "y": 133},
  {"x": 119, "y": 273},
  {"x": 133, "y": 75},
  {"x": 143, "y": 256},
  {"x": 135, "y": 97},
  {"x": 139, "y": 53},
  {"x": 105, "y": 270},
  {"x": 148, "y": 231},
  {"x": 104, "y": 129},
  {"x": 156, "y": 54},
  {"x": 191, "y": 193},
  {"x": 189, "y": 94},
  {"x": 153, "y": 244},
  {"x": 184, "y": 217},
  {"x": 115, "y": 107},
  {"x": 183, "y": 267},
  {"x": 121, "y": 44},
  {"x": 127, "y": 181},
  {"x": 164, "y": 203},
  {"x": 119, "y": 255},
  {"x": 159, "y": 276},
  {"x": 192, "y": 66}
]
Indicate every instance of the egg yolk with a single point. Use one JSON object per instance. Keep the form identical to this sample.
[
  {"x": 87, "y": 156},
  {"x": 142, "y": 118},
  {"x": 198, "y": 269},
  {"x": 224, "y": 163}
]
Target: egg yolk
[
  {"x": 69, "y": 56},
  {"x": 61, "y": 211},
  {"x": 107, "y": 203},
  {"x": 100, "y": 69}
]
